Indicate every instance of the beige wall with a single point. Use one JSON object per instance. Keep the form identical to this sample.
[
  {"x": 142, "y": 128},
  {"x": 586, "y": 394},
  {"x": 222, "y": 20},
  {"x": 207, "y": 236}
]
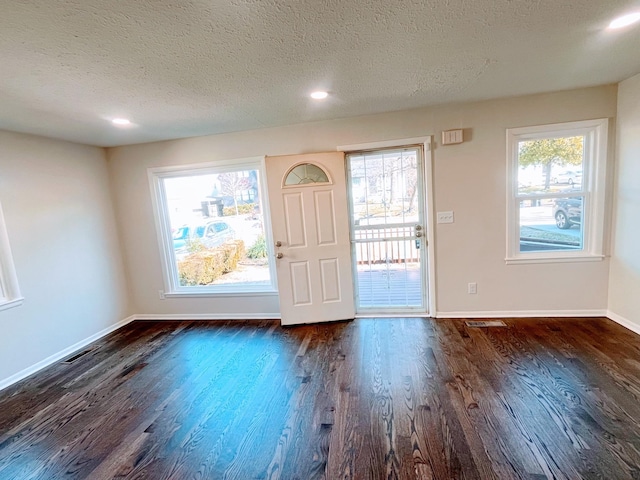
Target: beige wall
[
  {"x": 468, "y": 178},
  {"x": 624, "y": 282},
  {"x": 58, "y": 210}
]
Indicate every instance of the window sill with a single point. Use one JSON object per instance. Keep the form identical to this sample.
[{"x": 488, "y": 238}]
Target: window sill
[
  {"x": 213, "y": 294},
  {"x": 547, "y": 259},
  {"x": 16, "y": 302}
]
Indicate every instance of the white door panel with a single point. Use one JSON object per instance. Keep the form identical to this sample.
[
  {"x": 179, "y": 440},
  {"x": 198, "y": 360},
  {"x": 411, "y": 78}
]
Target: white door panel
[
  {"x": 294, "y": 220},
  {"x": 311, "y": 229}
]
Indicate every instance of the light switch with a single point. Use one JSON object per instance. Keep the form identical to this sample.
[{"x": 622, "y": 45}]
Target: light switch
[{"x": 445, "y": 217}]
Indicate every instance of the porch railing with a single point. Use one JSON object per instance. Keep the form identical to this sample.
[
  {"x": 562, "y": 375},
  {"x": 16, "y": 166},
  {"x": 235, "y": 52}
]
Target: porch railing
[{"x": 385, "y": 244}]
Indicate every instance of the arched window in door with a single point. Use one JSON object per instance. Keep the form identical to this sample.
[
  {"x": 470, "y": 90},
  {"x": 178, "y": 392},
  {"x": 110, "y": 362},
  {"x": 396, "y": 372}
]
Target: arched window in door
[{"x": 305, "y": 173}]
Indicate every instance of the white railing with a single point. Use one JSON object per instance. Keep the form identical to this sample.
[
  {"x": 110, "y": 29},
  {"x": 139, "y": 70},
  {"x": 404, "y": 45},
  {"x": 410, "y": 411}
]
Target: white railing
[{"x": 385, "y": 244}]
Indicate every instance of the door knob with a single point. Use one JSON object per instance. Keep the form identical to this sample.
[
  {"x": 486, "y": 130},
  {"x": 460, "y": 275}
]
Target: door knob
[
  {"x": 278, "y": 243},
  {"x": 418, "y": 228},
  {"x": 418, "y": 234},
  {"x": 279, "y": 255}
]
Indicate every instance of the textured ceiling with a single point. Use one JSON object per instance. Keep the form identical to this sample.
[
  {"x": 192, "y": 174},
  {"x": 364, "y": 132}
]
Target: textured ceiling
[{"x": 189, "y": 67}]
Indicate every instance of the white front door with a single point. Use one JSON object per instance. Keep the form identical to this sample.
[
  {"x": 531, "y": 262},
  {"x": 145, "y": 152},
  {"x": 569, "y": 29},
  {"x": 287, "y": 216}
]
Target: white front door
[{"x": 309, "y": 217}]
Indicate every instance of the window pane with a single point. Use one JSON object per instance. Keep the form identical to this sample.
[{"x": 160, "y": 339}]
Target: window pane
[
  {"x": 557, "y": 182},
  {"x": 217, "y": 229},
  {"x": 550, "y": 165},
  {"x": 551, "y": 224},
  {"x": 306, "y": 173},
  {"x": 384, "y": 187},
  {"x": 388, "y": 272}
]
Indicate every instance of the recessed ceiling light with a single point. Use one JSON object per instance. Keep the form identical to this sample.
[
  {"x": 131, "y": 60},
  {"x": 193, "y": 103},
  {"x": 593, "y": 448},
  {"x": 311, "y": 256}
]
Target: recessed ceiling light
[
  {"x": 319, "y": 95},
  {"x": 120, "y": 121},
  {"x": 625, "y": 20}
]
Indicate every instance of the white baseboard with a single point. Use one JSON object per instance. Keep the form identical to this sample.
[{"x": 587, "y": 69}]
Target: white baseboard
[
  {"x": 208, "y": 316},
  {"x": 625, "y": 322},
  {"x": 524, "y": 314},
  {"x": 4, "y": 383}
]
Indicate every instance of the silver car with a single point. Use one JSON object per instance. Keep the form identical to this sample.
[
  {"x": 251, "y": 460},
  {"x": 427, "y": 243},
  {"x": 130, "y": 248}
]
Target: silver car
[{"x": 211, "y": 234}]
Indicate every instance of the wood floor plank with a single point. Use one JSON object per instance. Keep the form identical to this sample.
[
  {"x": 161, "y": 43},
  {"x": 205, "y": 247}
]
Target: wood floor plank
[
  {"x": 527, "y": 403},
  {"x": 380, "y": 398}
]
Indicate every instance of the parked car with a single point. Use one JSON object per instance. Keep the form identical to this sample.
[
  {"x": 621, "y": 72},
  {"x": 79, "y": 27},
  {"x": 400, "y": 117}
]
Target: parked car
[
  {"x": 210, "y": 234},
  {"x": 567, "y": 212},
  {"x": 216, "y": 233},
  {"x": 569, "y": 177}
]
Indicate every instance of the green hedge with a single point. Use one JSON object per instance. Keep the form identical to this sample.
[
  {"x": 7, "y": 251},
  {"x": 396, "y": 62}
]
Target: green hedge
[
  {"x": 206, "y": 266},
  {"x": 258, "y": 249}
]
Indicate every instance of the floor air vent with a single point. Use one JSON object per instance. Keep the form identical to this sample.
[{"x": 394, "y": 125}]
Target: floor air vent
[
  {"x": 485, "y": 323},
  {"x": 77, "y": 356}
]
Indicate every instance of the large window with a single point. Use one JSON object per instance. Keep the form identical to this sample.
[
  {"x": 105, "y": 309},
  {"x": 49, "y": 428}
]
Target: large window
[
  {"x": 212, "y": 228},
  {"x": 556, "y": 191},
  {"x": 9, "y": 289}
]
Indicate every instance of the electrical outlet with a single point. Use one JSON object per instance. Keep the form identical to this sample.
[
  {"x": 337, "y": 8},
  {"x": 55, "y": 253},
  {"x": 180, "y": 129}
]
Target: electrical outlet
[
  {"x": 161, "y": 294},
  {"x": 445, "y": 217},
  {"x": 472, "y": 288}
]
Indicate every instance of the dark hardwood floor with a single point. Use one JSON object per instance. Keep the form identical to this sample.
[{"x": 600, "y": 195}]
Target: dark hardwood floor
[{"x": 369, "y": 399}]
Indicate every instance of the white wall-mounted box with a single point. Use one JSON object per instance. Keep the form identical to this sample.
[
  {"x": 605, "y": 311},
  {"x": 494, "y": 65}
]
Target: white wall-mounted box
[{"x": 451, "y": 137}]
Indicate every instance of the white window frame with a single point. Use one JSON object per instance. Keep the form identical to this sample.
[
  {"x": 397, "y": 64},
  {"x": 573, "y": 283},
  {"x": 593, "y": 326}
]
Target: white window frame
[
  {"x": 593, "y": 188},
  {"x": 9, "y": 289},
  {"x": 172, "y": 287}
]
